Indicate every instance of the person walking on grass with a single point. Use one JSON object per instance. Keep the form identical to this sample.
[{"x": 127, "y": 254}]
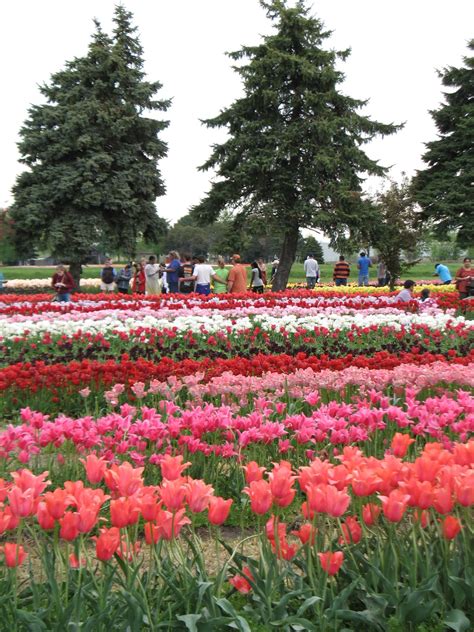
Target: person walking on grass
[
  {"x": 63, "y": 284},
  {"x": 341, "y": 271},
  {"x": 256, "y": 281},
  {"x": 363, "y": 265},
  {"x": 107, "y": 277},
  {"x": 311, "y": 271},
  {"x": 237, "y": 279}
]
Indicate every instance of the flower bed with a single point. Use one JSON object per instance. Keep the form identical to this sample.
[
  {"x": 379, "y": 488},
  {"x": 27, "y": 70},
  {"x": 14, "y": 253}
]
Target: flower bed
[{"x": 149, "y": 424}]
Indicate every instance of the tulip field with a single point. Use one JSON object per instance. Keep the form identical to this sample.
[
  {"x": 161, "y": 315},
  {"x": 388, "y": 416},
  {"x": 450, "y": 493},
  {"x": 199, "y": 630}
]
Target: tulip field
[{"x": 288, "y": 461}]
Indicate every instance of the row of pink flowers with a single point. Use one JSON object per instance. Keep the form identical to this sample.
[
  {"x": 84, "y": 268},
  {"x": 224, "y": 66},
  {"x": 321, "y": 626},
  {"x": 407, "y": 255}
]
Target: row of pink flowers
[{"x": 225, "y": 430}]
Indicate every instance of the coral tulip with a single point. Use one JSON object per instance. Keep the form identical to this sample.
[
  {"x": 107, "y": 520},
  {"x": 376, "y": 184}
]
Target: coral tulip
[
  {"x": 253, "y": 472},
  {"x": 95, "y": 468},
  {"x": 394, "y": 505},
  {"x": 400, "y": 444},
  {"x": 327, "y": 499},
  {"x": 370, "y": 513},
  {"x": 14, "y": 554},
  {"x": 172, "y": 467},
  {"x": 352, "y": 531},
  {"x": 451, "y": 527},
  {"x": 260, "y": 496},
  {"x": 218, "y": 509},
  {"x": 331, "y": 562},
  {"x": 198, "y": 495},
  {"x": 124, "y": 512},
  {"x": 107, "y": 543},
  {"x": 69, "y": 526},
  {"x": 241, "y": 583}
]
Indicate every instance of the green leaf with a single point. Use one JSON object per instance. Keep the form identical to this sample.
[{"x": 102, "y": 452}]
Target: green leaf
[
  {"x": 456, "y": 620},
  {"x": 190, "y": 621}
]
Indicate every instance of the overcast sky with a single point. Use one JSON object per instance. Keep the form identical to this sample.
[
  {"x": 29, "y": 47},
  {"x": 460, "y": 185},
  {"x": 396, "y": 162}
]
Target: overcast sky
[{"x": 396, "y": 49}]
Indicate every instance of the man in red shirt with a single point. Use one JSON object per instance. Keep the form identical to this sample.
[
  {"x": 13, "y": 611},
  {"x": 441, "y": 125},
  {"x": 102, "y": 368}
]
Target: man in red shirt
[{"x": 237, "y": 279}]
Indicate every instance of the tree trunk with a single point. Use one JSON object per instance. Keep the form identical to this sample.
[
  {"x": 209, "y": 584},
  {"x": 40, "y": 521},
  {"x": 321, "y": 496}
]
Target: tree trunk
[
  {"x": 287, "y": 258},
  {"x": 75, "y": 268}
]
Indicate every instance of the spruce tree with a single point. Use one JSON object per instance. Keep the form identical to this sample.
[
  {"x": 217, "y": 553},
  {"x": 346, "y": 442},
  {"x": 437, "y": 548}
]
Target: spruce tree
[
  {"x": 92, "y": 153},
  {"x": 293, "y": 156},
  {"x": 445, "y": 188}
]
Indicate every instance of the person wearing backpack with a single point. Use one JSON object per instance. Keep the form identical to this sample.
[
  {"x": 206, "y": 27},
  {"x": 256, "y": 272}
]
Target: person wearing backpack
[{"x": 108, "y": 276}]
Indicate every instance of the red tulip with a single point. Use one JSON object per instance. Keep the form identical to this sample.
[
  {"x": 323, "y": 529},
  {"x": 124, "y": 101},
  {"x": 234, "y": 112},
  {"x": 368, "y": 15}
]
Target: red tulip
[
  {"x": 45, "y": 519},
  {"x": 443, "y": 500},
  {"x": 14, "y": 554},
  {"x": 331, "y": 562},
  {"x": 306, "y": 533},
  {"x": 22, "y": 502},
  {"x": 370, "y": 513},
  {"x": 173, "y": 493},
  {"x": 240, "y": 583},
  {"x": 56, "y": 502},
  {"x": 451, "y": 527},
  {"x": 152, "y": 533},
  {"x": 69, "y": 526},
  {"x": 352, "y": 531},
  {"x": 218, "y": 509},
  {"x": 170, "y": 524},
  {"x": 107, "y": 543}
]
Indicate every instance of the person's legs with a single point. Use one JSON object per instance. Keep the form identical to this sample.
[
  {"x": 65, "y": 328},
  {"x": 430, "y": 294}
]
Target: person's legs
[
  {"x": 363, "y": 279},
  {"x": 203, "y": 288},
  {"x": 64, "y": 298},
  {"x": 310, "y": 282},
  {"x": 173, "y": 287}
]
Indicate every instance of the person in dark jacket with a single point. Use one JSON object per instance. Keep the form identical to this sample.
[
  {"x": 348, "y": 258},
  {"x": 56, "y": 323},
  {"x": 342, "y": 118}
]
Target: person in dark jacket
[{"x": 123, "y": 279}]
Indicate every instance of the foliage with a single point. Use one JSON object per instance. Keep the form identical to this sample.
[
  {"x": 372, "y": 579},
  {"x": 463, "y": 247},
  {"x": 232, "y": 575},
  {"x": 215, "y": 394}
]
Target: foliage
[
  {"x": 8, "y": 252},
  {"x": 446, "y": 249},
  {"x": 309, "y": 245},
  {"x": 92, "y": 152},
  {"x": 293, "y": 156},
  {"x": 394, "y": 228},
  {"x": 444, "y": 188}
]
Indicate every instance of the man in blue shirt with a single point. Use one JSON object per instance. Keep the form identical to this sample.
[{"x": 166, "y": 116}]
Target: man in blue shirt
[
  {"x": 363, "y": 265},
  {"x": 172, "y": 272},
  {"x": 443, "y": 273}
]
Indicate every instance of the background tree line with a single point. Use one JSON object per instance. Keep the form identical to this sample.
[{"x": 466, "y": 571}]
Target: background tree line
[{"x": 293, "y": 159}]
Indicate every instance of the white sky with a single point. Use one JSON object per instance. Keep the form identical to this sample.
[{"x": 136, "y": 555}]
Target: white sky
[{"x": 396, "y": 49}]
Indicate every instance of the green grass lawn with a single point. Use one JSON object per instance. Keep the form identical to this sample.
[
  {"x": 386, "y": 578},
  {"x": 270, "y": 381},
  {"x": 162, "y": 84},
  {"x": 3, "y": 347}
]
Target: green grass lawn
[{"x": 419, "y": 271}]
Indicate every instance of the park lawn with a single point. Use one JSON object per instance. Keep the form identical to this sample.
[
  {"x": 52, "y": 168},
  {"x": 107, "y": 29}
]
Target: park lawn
[{"x": 421, "y": 271}]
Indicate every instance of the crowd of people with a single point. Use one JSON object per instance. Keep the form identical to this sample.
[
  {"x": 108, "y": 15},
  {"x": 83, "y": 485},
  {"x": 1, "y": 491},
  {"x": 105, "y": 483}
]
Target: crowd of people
[{"x": 188, "y": 274}]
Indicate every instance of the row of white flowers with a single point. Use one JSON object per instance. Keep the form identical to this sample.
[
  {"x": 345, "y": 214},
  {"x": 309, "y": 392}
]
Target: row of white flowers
[{"x": 109, "y": 321}]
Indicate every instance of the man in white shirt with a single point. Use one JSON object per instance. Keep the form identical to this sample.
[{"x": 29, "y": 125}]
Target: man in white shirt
[
  {"x": 311, "y": 270},
  {"x": 202, "y": 275}
]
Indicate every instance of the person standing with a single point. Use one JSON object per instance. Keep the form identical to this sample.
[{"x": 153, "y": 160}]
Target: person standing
[
  {"x": 172, "y": 271},
  {"x": 237, "y": 279},
  {"x": 256, "y": 281},
  {"x": 311, "y": 271},
  {"x": 3, "y": 282},
  {"x": 138, "y": 283},
  {"x": 186, "y": 271},
  {"x": 222, "y": 274},
  {"x": 152, "y": 277},
  {"x": 443, "y": 273},
  {"x": 63, "y": 283},
  {"x": 123, "y": 279},
  {"x": 465, "y": 279},
  {"x": 263, "y": 269},
  {"x": 202, "y": 275},
  {"x": 363, "y": 265},
  {"x": 108, "y": 276},
  {"x": 275, "y": 264},
  {"x": 341, "y": 271},
  {"x": 381, "y": 273}
]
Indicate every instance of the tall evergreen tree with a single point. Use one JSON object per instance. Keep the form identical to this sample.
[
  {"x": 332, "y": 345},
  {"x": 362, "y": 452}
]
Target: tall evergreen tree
[
  {"x": 445, "y": 188},
  {"x": 92, "y": 151},
  {"x": 293, "y": 155}
]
